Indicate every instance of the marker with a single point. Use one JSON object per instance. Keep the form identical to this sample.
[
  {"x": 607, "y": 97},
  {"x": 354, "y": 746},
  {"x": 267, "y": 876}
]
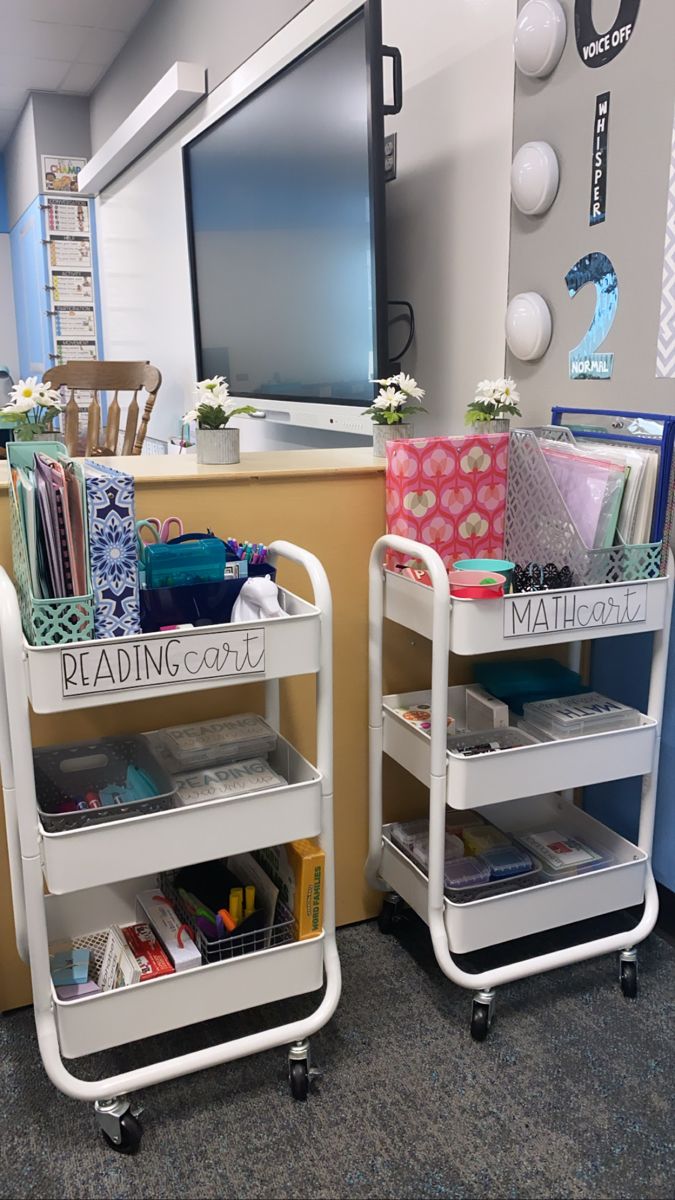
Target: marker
[
  {"x": 225, "y": 920},
  {"x": 250, "y": 901},
  {"x": 236, "y": 904}
]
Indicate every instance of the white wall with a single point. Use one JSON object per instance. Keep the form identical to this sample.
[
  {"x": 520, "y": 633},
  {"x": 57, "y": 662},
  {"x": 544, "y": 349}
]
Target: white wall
[
  {"x": 448, "y": 209},
  {"x": 21, "y": 171},
  {"x": 9, "y": 354}
]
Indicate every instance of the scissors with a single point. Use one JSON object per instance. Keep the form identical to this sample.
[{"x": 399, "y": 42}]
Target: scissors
[{"x": 160, "y": 531}]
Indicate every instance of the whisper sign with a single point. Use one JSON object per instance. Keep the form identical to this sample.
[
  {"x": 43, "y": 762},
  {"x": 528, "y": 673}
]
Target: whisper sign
[
  {"x": 532, "y": 614},
  {"x": 161, "y": 662}
]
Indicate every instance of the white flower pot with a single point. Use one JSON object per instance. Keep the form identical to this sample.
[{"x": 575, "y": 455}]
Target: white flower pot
[
  {"x": 218, "y": 446},
  {"x": 390, "y": 433}
]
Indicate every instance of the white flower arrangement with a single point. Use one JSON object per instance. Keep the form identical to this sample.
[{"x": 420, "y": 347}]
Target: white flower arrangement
[
  {"x": 212, "y": 410},
  {"x": 494, "y": 399},
  {"x": 399, "y": 397},
  {"x": 34, "y": 405}
]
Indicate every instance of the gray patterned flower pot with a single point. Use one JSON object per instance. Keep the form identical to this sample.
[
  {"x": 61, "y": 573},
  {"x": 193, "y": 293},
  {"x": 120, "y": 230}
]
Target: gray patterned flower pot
[
  {"x": 218, "y": 446},
  {"x": 498, "y": 425},
  {"x": 390, "y": 433}
]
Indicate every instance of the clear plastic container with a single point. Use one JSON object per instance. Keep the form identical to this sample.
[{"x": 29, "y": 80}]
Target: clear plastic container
[
  {"x": 466, "y": 873},
  {"x": 210, "y": 743},
  {"x": 412, "y": 837},
  {"x": 479, "y": 838},
  {"x": 507, "y": 861},
  {"x": 573, "y": 716},
  {"x": 560, "y": 854}
]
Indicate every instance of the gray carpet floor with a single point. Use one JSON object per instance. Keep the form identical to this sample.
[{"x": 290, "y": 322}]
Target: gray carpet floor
[{"x": 570, "y": 1096}]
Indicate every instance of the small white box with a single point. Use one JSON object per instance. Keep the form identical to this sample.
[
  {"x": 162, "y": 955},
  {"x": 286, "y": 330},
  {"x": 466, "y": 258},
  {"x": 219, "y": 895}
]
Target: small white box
[
  {"x": 484, "y": 711},
  {"x": 152, "y": 906}
]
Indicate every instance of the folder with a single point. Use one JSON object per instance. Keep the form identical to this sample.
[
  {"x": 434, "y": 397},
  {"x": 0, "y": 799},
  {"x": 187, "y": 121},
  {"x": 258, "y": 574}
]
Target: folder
[
  {"x": 655, "y": 430},
  {"x": 112, "y": 550}
]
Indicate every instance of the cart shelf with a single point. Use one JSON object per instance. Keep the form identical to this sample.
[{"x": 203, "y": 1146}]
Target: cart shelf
[
  {"x": 487, "y": 779},
  {"x": 102, "y": 853},
  {"x": 530, "y": 618},
  {"x": 472, "y": 925},
  {"x": 87, "y": 674}
]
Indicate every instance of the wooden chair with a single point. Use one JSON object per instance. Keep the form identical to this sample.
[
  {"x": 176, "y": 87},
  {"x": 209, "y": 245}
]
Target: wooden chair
[{"x": 100, "y": 376}]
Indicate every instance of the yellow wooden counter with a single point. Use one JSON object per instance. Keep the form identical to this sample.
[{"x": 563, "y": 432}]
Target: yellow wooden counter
[{"x": 332, "y": 503}]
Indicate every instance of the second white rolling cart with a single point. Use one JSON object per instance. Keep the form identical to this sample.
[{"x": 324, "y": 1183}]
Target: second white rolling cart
[
  {"x": 94, "y": 873},
  {"x": 514, "y": 788}
]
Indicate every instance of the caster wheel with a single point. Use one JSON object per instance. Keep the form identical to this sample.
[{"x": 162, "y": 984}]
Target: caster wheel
[
  {"x": 387, "y": 916},
  {"x": 298, "y": 1074},
  {"x": 629, "y": 980},
  {"x": 481, "y": 1020},
  {"x": 131, "y": 1131}
]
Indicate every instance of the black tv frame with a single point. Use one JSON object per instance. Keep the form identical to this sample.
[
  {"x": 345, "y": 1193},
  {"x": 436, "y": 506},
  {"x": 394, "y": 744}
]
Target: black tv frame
[{"x": 377, "y": 109}]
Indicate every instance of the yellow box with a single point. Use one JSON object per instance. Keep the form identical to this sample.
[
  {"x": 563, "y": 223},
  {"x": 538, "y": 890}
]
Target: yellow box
[{"x": 298, "y": 870}]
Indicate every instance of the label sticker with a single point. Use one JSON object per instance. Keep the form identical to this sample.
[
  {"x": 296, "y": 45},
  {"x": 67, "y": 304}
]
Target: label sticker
[
  {"x": 598, "y": 49},
  {"x": 585, "y": 361},
  {"x": 599, "y": 160}
]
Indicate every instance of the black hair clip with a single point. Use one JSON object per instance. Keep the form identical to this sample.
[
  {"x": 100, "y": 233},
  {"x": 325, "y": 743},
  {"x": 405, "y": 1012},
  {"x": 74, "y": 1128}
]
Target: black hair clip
[{"x": 536, "y": 577}]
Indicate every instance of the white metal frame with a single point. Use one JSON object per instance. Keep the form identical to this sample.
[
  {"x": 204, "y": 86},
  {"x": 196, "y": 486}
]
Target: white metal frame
[
  {"x": 442, "y": 635},
  {"x": 24, "y": 841}
]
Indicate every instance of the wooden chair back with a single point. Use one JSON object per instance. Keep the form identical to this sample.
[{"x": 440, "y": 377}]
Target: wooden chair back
[{"x": 96, "y": 375}]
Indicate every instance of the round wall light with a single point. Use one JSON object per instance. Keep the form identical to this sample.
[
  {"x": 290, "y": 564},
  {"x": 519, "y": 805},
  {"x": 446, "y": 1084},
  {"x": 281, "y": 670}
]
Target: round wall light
[
  {"x": 535, "y": 176},
  {"x": 540, "y": 35},
  {"x": 528, "y": 326}
]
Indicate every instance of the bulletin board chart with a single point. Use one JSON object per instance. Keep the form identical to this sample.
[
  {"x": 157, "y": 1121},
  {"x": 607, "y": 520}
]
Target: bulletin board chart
[
  {"x": 70, "y": 258},
  {"x": 602, "y": 256}
]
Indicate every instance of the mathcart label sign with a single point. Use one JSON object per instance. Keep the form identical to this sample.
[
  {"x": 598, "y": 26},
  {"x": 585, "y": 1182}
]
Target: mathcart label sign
[
  {"x": 161, "y": 662},
  {"x": 533, "y": 614}
]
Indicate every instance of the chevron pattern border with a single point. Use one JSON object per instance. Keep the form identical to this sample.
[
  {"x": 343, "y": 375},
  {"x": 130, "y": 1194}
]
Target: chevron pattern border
[{"x": 665, "y": 349}]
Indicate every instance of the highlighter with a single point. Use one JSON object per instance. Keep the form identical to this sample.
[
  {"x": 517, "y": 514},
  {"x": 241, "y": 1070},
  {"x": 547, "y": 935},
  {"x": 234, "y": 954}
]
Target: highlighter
[
  {"x": 249, "y": 908},
  {"x": 223, "y": 918},
  {"x": 236, "y": 904}
]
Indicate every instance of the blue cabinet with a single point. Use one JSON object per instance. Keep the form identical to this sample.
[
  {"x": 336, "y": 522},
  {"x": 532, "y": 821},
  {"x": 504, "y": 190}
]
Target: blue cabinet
[{"x": 31, "y": 295}]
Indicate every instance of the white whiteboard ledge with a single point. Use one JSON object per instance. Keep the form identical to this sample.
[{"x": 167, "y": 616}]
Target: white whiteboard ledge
[{"x": 181, "y": 87}]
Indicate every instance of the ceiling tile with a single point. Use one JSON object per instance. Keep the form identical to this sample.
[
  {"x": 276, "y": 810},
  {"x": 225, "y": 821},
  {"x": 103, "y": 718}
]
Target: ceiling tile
[
  {"x": 101, "y": 46},
  {"x": 42, "y": 39},
  {"x": 31, "y": 74},
  {"x": 95, "y": 14},
  {"x": 81, "y": 78}
]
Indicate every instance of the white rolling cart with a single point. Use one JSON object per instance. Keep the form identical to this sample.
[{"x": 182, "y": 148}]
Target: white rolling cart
[
  {"x": 94, "y": 873},
  {"x": 516, "y": 788}
]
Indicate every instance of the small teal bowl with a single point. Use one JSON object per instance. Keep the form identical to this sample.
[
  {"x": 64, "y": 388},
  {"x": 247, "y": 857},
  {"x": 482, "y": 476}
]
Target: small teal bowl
[{"x": 488, "y": 564}]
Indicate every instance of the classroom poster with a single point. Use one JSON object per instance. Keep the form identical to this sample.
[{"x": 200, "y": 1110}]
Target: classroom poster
[
  {"x": 67, "y": 216},
  {"x": 60, "y": 172}
]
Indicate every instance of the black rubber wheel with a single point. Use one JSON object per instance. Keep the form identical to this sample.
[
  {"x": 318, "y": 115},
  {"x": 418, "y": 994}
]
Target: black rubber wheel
[
  {"x": 480, "y": 1021},
  {"x": 298, "y": 1074},
  {"x": 385, "y": 920},
  {"x": 132, "y": 1132},
  {"x": 629, "y": 980}
]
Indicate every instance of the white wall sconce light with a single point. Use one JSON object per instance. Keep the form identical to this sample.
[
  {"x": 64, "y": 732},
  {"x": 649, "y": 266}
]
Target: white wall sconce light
[
  {"x": 528, "y": 326},
  {"x": 535, "y": 175},
  {"x": 539, "y": 40}
]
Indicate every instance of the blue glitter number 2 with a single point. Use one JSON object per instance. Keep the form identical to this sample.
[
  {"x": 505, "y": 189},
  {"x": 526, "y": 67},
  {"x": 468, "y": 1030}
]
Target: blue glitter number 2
[{"x": 585, "y": 361}]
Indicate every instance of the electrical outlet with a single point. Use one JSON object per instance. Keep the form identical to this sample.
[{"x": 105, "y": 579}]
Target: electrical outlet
[{"x": 389, "y": 157}]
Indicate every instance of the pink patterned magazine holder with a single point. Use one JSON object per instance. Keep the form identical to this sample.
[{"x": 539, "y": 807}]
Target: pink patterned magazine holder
[{"x": 449, "y": 492}]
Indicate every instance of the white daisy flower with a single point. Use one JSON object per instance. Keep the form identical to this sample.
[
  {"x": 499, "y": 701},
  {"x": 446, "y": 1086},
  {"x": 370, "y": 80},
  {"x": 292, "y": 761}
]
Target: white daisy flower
[{"x": 409, "y": 386}]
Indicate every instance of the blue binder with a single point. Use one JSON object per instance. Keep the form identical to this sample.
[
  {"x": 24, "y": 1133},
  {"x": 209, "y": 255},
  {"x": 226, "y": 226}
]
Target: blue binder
[{"x": 642, "y": 429}]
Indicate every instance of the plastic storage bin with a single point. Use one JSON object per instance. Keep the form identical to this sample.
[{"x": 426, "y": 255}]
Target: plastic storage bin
[
  {"x": 575, "y": 716},
  {"x": 208, "y": 743},
  {"x": 67, "y": 773},
  {"x": 198, "y": 604}
]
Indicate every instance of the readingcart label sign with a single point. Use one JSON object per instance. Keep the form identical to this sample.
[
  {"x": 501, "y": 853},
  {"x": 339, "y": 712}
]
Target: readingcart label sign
[
  {"x": 532, "y": 614},
  {"x": 161, "y": 662}
]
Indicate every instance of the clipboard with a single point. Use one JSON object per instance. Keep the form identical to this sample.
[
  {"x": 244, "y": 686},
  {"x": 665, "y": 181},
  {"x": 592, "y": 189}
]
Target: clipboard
[{"x": 640, "y": 429}]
